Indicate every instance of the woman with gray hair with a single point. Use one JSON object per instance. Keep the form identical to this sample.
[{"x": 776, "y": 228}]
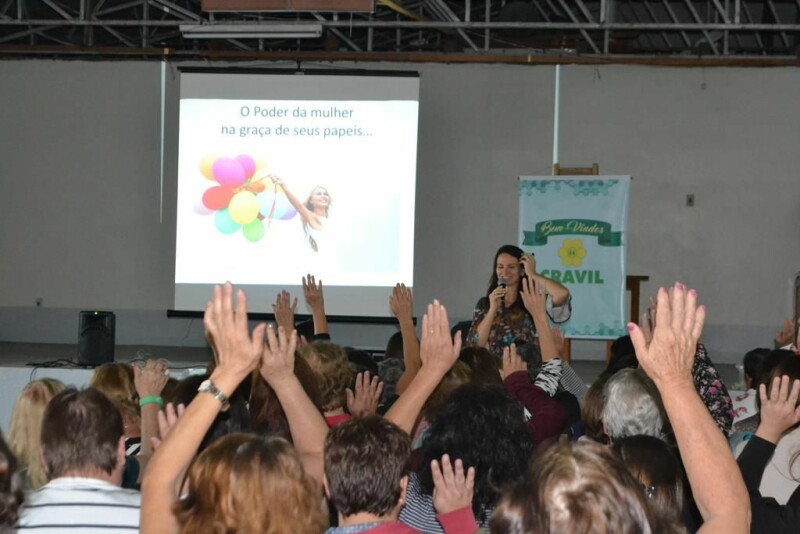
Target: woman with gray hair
[{"x": 632, "y": 406}]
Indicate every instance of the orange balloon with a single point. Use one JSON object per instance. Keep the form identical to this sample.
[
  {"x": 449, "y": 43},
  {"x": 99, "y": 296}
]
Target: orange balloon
[
  {"x": 256, "y": 187},
  {"x": 206, "y": 165}
]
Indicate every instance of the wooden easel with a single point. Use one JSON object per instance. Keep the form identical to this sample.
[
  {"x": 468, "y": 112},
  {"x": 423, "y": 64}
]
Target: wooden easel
[{"x": 631, "y": 281}]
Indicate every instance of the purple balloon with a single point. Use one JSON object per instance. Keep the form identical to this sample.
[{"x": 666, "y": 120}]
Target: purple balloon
[
  {"x": 228, "y": 172},
  {"x": 248, "y": 164},
  {"x": 289, "y": 213}
]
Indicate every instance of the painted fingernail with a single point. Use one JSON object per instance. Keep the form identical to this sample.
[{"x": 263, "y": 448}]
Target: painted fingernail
[
  {"x": 680, "y": 286},
  {"x": 631, "y": 327},
  {"x": 693, "y": 292}
]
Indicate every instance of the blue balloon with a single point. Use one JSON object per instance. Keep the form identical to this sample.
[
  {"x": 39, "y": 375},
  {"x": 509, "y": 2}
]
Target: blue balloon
[{"x": 224, "y": 223}]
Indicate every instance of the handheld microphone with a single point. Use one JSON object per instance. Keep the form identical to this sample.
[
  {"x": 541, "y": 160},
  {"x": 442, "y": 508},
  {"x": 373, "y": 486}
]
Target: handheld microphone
[{"x": 501, "y": 282}]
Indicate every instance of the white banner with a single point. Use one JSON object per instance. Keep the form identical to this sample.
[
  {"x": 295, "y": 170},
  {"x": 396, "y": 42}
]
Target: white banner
[{"x": 577, "y": 228}]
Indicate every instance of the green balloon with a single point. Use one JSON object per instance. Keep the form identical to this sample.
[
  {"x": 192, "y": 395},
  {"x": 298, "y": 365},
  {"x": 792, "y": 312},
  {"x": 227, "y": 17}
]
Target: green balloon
[
  {"x": 224, "y": 223},
  {"x": 254, "y": 231}
]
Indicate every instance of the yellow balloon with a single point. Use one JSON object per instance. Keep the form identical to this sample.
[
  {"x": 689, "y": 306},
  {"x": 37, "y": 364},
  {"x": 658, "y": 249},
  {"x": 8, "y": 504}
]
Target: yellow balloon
[
  {"x": 207, "y": 164},
  {"x": 260, "y": 164},
  {"x": 243, "y": 208}
]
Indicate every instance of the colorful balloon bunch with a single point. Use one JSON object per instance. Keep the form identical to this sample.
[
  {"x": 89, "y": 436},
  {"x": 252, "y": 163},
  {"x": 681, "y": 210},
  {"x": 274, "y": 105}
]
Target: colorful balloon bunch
[{"x": 242, "y": 199}]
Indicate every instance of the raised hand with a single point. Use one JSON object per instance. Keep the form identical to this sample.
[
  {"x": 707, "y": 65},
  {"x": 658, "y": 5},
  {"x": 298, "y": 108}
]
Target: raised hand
[
  {"x": 277, "y": 363},
  {"x": 512, "y": 363},
  {"x": 367, "y": 395},
  {"x": 401, "y": 302},
  {"x": 237, "y": 352},
  {"x": 284, "y": 310},
  {"x": 150, "y": 379},
  {"x": 534, "y": 297},
  {"x": 528, "y": 262},
  {"x": 312, "y": 293},
  {"x": 452, "y": 488},
  {"x": 779, "y": 411},
  {"x": 668, "y": 358},
  {"x": 438, "y": 351},
  {"x": 167, "y": 419}
]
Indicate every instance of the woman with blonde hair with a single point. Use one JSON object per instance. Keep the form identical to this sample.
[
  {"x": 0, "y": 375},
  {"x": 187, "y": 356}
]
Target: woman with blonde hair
[{"x": 26, "y": 425}]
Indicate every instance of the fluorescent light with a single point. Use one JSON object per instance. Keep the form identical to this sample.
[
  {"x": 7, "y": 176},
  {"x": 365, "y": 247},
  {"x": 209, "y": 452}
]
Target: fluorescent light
[{"x": 252, "y": 31}]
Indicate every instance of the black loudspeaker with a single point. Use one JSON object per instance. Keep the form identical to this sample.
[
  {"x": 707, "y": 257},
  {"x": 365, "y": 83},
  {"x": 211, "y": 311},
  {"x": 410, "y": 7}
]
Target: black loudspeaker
[{"x": 96, "y": 334}]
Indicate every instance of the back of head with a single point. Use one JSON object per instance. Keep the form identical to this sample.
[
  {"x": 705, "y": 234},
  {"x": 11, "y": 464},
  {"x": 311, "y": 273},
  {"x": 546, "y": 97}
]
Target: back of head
[
  {"x": 632, "y": 406},
  {"x": 25, "y": 429},
  {"x": 752, "y": 365},
  {"x": 245, "y": 483},
  {"x": 578, "y": 488},
  {"x": 81, "y": 432},
  {"x": 394, "y": 347},
  {"x": 365, "y": 461},
  {"x": 361, "y": 360},
  {"x": 458, "y": 375},
  {"x": 484, "y": 365},
  {"x": 772, "y": 362},
  {"x": 333, "y": 372},
  {"x": 268, "y": 417},
  {"x": 11, "y": 488},
  {"x": 592, "y": 410},
  {"x": 652, "y": 462},
  {"x": 485, "y": 428},
  {"x": 114, "y": 380}
]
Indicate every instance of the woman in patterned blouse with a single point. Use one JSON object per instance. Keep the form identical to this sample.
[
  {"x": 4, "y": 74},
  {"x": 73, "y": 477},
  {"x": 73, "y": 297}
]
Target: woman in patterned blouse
[{"x": 500, "y": 317}]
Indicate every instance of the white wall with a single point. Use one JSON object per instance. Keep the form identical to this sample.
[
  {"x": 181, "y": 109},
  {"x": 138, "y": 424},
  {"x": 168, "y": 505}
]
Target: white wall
[{"x": 80, "y": 197}]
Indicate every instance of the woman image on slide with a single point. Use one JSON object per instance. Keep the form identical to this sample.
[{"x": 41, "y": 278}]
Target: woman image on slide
[
  {"x": 502, "y": 316},
  {"x": 314, "y": 211}
]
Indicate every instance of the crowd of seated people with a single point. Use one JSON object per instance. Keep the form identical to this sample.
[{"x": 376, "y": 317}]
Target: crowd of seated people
[{"x": 291, "y": 432}]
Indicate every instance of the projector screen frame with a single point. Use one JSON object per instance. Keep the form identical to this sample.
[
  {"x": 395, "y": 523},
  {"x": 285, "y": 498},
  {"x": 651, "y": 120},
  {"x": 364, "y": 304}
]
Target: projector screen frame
[{"x": 300, "y": 71}]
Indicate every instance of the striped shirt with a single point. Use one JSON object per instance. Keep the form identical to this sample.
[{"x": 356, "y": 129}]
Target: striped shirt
[{"x": 72, "y": 504}]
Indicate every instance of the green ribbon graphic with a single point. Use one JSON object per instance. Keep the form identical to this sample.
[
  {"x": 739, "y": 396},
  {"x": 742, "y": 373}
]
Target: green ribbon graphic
[{"x": 590, "y": 227}]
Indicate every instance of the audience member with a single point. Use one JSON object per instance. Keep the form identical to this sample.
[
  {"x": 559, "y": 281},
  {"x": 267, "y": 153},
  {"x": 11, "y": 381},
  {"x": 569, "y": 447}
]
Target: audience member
[
  {"x": 769, "y": 460},
  {"x": 652, "y": 462},
  {"x": 334, "y": 375},
  {"x": 12, "y": 493},
  {"x": 286, "y": 481},
  {"x": 25, "y": 429},
  {"x": 83, "y": 447},
  {"x": 366, "y": 478},
  {"x": 632, "y": 406}
]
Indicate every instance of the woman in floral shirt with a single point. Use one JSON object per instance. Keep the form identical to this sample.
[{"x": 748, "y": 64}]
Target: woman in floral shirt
[{"x": 500, "y": 317}]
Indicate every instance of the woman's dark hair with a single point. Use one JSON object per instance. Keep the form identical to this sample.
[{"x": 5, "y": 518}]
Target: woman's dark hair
[
  {"x": 235, "y": 419},
  {"x": 769, "y": 364},
  {"x": 268, "y": 416},
  {"x": 623, "y": 356},
  {"x": 485, "y": 428},
  {"x": 11, "y": 492},
  {"x": 653, "y": 463},
  {"x": 752, "y": 365},
  {"x": 511, "y": 250},
  {"x": 394, "y": 347},
  {"x": 485, "y": 365},
  {"x": 360, "y": 361}
]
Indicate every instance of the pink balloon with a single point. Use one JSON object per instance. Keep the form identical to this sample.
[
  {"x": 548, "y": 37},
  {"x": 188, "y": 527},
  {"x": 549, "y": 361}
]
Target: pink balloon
[
  {"x": 229, "y": 172},
  {"x": 248, "y": 164}
]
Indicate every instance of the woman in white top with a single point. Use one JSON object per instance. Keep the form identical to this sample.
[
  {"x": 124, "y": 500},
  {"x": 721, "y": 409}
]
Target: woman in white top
[{"x": 314, "y": 211}]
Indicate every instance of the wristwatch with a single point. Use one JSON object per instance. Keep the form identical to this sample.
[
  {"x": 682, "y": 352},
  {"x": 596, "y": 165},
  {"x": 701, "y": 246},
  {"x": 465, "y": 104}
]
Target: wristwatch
[{"x": 207, "y": 386}]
